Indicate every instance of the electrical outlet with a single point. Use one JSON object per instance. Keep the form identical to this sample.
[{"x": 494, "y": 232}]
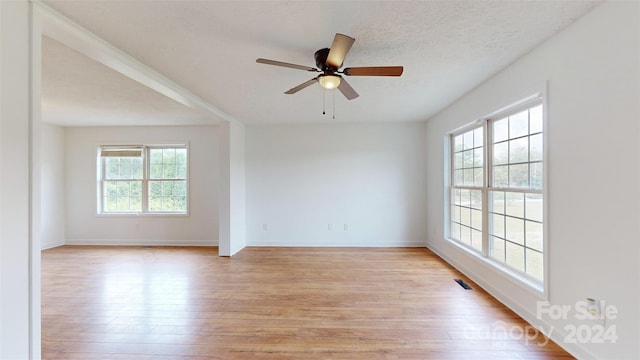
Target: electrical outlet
[
  {"x": 346, "y": 227},
  {"x": 330, "y": 227},
  {"x": 593, "y": 308},
  {"x": 265, "y": 227},
  {"x": 599, "y": 311}
]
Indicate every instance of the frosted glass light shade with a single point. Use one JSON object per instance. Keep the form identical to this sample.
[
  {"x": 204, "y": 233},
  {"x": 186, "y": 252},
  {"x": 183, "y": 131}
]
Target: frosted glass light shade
[{"x": 329, "y": 82}]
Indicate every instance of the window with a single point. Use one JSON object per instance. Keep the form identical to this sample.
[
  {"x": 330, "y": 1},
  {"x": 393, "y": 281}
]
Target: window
[
  {"x": 467, "y": 189},
  {"x": 142, "y": 179},
  {"x": 496, "y": 189}
]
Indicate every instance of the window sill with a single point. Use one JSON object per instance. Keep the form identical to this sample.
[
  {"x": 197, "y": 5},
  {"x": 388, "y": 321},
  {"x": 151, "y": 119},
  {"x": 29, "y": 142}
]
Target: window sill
[
  {"x": 135, "y": 215},
  {"x": 532, "y": 286}
]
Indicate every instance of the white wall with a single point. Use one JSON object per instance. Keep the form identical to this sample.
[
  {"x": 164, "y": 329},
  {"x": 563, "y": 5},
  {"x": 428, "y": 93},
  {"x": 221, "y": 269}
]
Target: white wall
[
  {"x": 52, "y": 206},
  {"x": 593, "y": 132},
  {"x": 19, "y": 284},
  {"x": 238, "y": 177},
  {"x": 83, "y": 226},
  {"x": 232, "y": 188},
  {"x": 301, "y": 178}
]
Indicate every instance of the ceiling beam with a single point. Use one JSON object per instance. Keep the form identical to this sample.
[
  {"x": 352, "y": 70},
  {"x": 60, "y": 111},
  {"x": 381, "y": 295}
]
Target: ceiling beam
[{"x": 57, "y": 26}]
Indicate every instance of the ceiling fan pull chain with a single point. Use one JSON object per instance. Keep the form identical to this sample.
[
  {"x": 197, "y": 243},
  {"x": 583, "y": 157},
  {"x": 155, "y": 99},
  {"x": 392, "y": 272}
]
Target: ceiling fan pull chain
[
  {"x": 334, "y": 105},
  {"x": 323, "y": 96}
]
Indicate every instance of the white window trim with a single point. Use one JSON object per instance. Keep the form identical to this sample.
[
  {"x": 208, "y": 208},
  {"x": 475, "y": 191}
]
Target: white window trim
[
  {"x": 144, "y": 213},
  {"x": 523, "y": 280}
]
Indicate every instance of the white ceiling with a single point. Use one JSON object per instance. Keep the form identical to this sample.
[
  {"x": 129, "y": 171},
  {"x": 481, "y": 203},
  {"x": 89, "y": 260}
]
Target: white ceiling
[
  {"x": 210, "y": 47},
  {"x": 77, "y": 91}
]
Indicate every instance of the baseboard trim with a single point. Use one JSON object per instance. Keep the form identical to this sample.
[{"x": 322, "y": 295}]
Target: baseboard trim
[
  {"x": 277, "y": 243},
  {"x": 51, "y": 245},
  {"x": 141, "y": 242}
]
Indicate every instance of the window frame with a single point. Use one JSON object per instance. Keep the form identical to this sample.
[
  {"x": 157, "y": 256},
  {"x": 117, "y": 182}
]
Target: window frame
[
  {"x": 539, "y": 287},
  {"x": 145, "y": 180},
  {"x": 451, "y": 183}
]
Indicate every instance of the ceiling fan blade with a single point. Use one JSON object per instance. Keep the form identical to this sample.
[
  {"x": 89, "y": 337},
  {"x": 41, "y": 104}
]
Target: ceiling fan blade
[
  {"x": 301, "y": 86},
  {"x": 374, "y": 71},
  {"x": 289, "y": 65},
  {"x": 339, "y": 49},
  {"x": 347, "y": 90}
]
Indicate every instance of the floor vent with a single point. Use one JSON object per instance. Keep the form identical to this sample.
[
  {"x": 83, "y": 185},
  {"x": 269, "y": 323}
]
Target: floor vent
[{"x": 463, "y": 284}]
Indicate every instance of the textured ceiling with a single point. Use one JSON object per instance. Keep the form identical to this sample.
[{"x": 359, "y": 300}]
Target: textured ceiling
[
  {"x": 209, "y": 47},
  {"x": 77, "y": 91}
]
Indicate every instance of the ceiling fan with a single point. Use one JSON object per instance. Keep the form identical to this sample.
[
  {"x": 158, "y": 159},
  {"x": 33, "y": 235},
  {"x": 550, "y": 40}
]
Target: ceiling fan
[{"x": 328, "y": 61}]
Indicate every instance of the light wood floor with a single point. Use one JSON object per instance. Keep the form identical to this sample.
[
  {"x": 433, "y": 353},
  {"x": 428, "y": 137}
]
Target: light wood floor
[{"x": 271, "y": 303}]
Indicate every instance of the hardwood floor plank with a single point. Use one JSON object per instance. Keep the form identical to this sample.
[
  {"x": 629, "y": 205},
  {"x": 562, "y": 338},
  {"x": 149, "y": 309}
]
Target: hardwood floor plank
[{"x": 161, "y": 303}]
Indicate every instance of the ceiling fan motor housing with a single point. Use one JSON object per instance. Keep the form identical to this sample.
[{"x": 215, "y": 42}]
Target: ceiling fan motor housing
[{"x": 321, "y": 60}]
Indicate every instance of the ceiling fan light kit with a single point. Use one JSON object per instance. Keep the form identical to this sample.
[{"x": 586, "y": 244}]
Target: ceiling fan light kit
[
  {"x": 329, "y": 82},
  {"x": 328, "y": 62}
]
